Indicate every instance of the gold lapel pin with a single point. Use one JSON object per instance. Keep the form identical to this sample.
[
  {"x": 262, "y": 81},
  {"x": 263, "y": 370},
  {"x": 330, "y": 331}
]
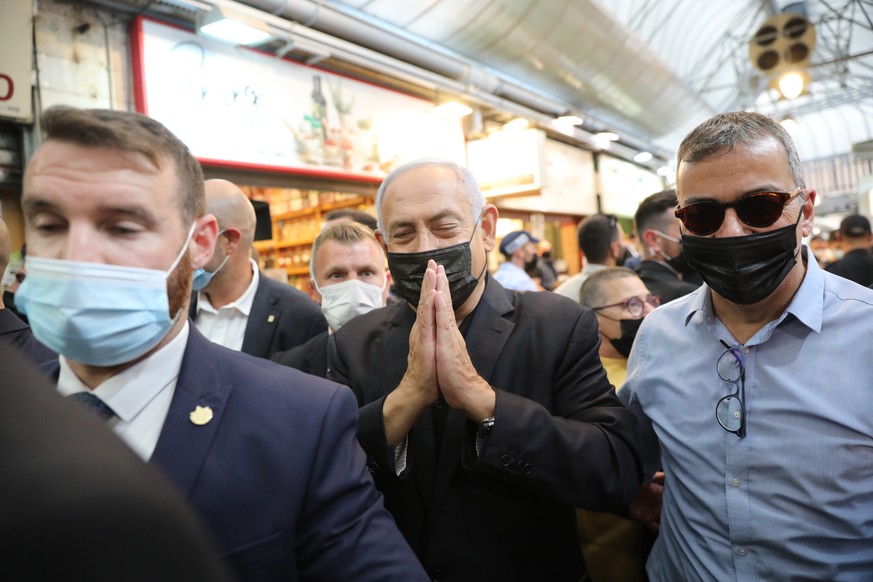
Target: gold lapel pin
[
  {"x": 201, "y": 415},
  {"x": 271, "y": 319}
]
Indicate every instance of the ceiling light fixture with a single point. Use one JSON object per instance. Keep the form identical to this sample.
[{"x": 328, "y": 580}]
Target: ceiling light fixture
[
  {"x": 234, "y": 26},
  {"x": 570, "y": 120},
  {"x": 516, "y": 124},
  {"x": 606, "y": 136},
  {"x": 791, "y": 85},
  {"x": 453, "y": 109},
  {"x": 643, "y": 157}
]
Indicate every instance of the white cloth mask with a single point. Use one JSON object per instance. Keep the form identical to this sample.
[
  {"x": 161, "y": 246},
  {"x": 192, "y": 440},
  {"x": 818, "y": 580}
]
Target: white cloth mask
[{"x": 341, "y": 302}]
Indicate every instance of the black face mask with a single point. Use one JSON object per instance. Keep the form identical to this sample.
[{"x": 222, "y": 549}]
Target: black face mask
[
  {"x": 531, "y": 264},
  {"x": 744, "y": 269},
  {"x": 629, "y": 328},
  {"x": 407, "y": 271},
  {"x": 680, "y": 264}
]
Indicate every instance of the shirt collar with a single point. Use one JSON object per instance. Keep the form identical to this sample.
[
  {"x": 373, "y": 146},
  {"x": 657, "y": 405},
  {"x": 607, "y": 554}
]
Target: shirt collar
[
  {"x": 807, "y": 305},
  {"x": 243, "y": 303},
  {"x": 130, "y": 391}
]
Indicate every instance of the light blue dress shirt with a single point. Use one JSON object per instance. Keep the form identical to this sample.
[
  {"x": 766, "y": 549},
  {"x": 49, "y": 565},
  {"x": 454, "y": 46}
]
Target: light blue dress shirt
[
  {"x": 793, "y": 500},
  {"x": 511, "y": 276}
]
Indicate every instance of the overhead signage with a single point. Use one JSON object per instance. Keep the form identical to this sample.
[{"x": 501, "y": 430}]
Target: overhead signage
[
  {"x": 240, "y": 107},
  {"x": 508, "y": 162},
  {"x": 16, "y": 70}
]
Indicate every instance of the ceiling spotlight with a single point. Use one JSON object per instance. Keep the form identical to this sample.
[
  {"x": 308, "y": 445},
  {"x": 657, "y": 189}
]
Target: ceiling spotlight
[
  {"x": 453, "y": 109},
  {"x": 791, "y": 85},
  {"x": 790, "y": 125},
  {"x": 665, "y": 171},
  {"x": 516, "y": 124},
  {"x": 234, "y": 26},
  {"x": 642, "y": 157},
  {"x": 606, "y": 136},
  {"x": 570, "y": 120}
]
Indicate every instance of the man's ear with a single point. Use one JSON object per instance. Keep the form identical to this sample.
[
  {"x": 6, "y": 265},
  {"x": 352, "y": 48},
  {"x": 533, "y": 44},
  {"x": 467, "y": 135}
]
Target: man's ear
[
  {"x": 381, "y": 240},
  {"x": 202, "y": 243},
  {"x": 234, "y": 236},
  {"x": 616, "y": 249},
  {"x": 489, "y": 226},
  {"x": 652, "y": 240},
  {"x": 314, "y": 290},
  {"x": 808, "y": 210}
]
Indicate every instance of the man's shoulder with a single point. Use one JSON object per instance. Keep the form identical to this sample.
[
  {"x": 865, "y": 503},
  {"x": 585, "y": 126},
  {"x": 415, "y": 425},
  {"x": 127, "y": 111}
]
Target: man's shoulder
[
  {"x": 258, "y": 376},
  {"x": 283, "y": 290},
  {"x": 571, "y": 286}
]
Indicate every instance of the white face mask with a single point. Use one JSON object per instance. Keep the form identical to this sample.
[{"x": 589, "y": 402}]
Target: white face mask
[
  {"x": 341, "y": 302},
  {"x": 94, "y": 313}
]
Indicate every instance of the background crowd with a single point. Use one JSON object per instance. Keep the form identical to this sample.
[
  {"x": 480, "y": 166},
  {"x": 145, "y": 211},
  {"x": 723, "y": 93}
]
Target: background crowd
[{"x": 689, "y": 406}]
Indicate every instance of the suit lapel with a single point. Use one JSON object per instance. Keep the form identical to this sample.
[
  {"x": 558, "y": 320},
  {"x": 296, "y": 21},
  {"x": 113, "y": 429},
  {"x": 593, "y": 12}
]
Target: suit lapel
[
  {"x": 489, "y": 331},
  {"x": 185, "y": 440},
  {"x": 263, "y": 321},
  {"x": 393, "y": 345}
]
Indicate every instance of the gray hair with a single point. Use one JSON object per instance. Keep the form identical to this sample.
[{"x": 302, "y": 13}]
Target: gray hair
[
  {"x": 466, "y": 181},
  {"x": 724, "y": 132},
  {"x": 591, "y": 293}
]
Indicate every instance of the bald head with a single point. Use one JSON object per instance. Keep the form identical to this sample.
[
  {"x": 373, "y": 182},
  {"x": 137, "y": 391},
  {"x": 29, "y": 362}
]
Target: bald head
[
  {"x": 232, "y": 208},
  {"x": 5, "y": 246}
]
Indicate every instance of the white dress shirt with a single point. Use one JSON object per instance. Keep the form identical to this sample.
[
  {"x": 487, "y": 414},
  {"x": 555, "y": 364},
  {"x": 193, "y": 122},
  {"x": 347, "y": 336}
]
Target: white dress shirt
[
  {"x": 227, "y": 325},
  {"x": 140, "y": 395}
]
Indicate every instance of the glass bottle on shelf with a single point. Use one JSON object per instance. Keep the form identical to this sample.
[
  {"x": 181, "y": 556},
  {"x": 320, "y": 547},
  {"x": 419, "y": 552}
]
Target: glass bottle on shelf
[{"x": 319, "y": 105}]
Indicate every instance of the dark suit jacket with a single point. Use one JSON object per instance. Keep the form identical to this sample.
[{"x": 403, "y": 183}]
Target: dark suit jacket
[
  {"x": 77, "y": 504},
  {"x": 663, "y": 281},
  {"x": 281, "y": 318},
  {"x": 311, "y": 357},
  {"x": 561, "y": 438},
  {"x": 277, "y": 475},
  {"x": 15, "y": 332},
  {"x": 856, "y": 265}
]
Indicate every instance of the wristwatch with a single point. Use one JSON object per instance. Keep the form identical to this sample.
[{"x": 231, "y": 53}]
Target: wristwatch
[{"x": 485, "y": 427}]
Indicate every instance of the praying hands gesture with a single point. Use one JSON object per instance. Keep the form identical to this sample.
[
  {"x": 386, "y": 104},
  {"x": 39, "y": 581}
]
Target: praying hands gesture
[{"x": 438, "y": 364}]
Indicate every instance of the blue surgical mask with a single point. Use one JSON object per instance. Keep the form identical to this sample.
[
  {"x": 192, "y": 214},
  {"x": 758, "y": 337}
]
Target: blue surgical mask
[
  {"x": 97, "y": 314},
  {"x": 202, "y": 277}
]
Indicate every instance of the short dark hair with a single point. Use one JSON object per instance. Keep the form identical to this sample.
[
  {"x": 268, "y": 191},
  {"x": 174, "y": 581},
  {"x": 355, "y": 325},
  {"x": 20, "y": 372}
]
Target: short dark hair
[
  {"x": 591, "y": 293},
  {"x": 651, "y": 213},
  {"x": 135, "y": 134},
  {"x": 354, "y": 215},
  {"x": 724, "y": 132},
  {"x": 596, "y": 234}
]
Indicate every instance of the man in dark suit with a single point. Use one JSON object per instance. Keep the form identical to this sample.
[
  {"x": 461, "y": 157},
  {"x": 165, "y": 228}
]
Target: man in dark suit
[
  {"x": 237, "y": 305},
  {"x": 350, "y": 278},
  {"x": 14, "y": 330},
  {"x": 267, "y": 456},
  {"x": 663, "y": 268},
  {"x": 857, "y": 262},
  {"x": 79, "y": 505},
  {"x": 485, "y": 413}
]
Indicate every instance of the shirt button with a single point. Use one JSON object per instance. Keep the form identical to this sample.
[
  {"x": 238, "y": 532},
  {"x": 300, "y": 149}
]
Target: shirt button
[
  {"x": 743, "y": 551},
  {"x": 745, "y": 350},
  {"x": 735, "y": 482}
]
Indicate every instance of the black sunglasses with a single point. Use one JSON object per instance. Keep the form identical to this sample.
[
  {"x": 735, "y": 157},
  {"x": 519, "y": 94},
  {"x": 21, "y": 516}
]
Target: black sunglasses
[{"x": 756, "y": 209}]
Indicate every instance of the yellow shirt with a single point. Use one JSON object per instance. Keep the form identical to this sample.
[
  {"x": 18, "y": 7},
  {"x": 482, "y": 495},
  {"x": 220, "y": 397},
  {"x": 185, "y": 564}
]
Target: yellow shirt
[{"x": 616, "y": 370}]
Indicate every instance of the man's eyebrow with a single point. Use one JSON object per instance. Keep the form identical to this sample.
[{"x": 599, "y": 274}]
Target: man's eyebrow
[
  {"x": 36, "y": 205},
  {"x": 33, "y": 205}
]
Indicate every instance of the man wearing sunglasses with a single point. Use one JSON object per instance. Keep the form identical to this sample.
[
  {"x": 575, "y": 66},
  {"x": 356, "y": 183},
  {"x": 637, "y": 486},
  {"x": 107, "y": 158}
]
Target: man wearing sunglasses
[{"x": 757, "y": 385}]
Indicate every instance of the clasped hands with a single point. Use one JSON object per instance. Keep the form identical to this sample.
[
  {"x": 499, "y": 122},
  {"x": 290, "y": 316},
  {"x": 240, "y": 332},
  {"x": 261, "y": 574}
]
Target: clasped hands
[{"x": 437, "y": 365}]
